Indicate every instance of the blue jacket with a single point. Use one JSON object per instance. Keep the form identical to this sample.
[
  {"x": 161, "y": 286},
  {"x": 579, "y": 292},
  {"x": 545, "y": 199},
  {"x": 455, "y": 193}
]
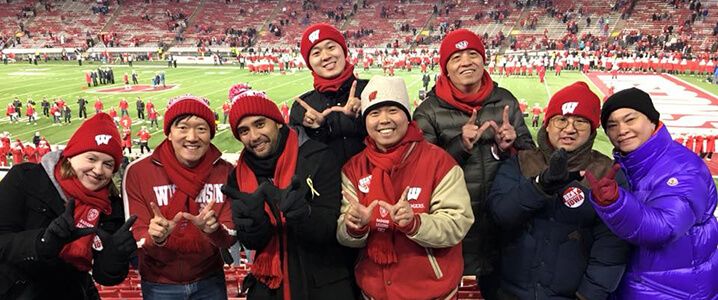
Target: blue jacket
[
  {"x": 554, "y": 245},
  {"x": 667, "y": 214}
]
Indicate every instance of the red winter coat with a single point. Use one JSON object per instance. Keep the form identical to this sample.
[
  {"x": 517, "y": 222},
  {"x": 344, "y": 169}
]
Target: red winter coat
[
  {"x": 429, "y": 262},
  {"x": 146, "y": 181}
]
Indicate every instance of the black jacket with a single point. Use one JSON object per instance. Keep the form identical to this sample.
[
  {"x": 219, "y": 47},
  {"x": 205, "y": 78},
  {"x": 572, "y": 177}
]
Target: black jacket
[
  {"x": 317, "y": 268},
  {"x": 343, "y": 135},
  {"x": 28, "y": 203},
  {"x": 550, "y": 250},
  {"x": 441, "y": 124}
]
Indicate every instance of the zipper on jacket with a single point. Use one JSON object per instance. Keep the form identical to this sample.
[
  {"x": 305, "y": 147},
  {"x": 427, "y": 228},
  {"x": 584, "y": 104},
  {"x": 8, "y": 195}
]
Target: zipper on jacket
[{"x": 434, "y": 264}]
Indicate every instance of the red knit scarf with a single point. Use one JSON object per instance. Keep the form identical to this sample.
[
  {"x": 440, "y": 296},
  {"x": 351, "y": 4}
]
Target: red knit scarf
[
  {"x": 267, "y": 266},
  {"x": 88, "y": 205},
  {"x": 189, "y": 182},
  {"x": 333, "y": 84},
  {"x": 447, "y": 92},
  {"x": 381, "y": 239}
]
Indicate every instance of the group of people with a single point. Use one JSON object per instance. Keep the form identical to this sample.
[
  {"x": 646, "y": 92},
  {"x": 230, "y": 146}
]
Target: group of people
[
  {"x": 22, "y": 152},
  {"x": 356, "y": 197}
]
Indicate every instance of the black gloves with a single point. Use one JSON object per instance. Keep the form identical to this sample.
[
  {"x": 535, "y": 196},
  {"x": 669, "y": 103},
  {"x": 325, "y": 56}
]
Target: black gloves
[
  {"x": 290, "y": 200},
  {"x": 60, "y": 232},
  {"x": 119, "y": 246},
  {"x": 247, "y": 209},
  {"x": 556, "y": 175}
]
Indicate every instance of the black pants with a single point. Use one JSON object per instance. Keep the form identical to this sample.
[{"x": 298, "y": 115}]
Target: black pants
[
  {"x": 82, "y": 113},
  {"x": 141, "y": 114},
  {"x": 153, "y": 122},
  {"x": 143, "y": 146}
]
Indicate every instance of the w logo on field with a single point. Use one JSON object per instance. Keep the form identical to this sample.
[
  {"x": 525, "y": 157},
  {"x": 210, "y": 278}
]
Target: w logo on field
[
  {"x": 462, "y": 45},
  {"x": 569, "y": 107},
  {"x": 102, "y": 139},
  {"x": 313, "y": 36}
]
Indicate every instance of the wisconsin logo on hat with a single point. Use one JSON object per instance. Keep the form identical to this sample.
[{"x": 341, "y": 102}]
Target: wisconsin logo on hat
[
  {"x": 313, "y": 36},
  {"x": 372, "y": 96},
  {"x": 102, "y": 139},
  {"x": 462, "y": 45},
  {"x": 569, "y": 107}
]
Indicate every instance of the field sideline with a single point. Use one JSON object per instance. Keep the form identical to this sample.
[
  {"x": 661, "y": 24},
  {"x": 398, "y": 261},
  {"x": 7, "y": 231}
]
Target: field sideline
[{"x": 67, "y": 80}]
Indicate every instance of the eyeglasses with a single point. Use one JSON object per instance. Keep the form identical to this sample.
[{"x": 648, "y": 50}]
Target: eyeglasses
[{"x": 561, "y": 122}]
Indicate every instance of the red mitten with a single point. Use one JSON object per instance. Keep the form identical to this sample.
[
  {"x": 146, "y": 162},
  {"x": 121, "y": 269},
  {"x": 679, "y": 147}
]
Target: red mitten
[{"x": 605, "y": 190}]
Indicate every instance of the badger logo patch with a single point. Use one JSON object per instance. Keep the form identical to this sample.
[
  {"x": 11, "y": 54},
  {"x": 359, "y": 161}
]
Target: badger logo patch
[{"x": 462, "y": 45}]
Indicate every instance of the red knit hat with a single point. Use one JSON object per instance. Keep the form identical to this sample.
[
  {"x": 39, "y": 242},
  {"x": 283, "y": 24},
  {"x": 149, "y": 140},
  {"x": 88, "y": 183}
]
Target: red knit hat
[
  {"x": 459, "y": 40},
  {"x": 237, "y": 89},
  {"x": 252, "y": 103},
  {"x": 188, "y": 104},
  {"x": 317, "y": 33},
  {"x": 96, "y": 134},
  {"x": 576, "y": 99}
]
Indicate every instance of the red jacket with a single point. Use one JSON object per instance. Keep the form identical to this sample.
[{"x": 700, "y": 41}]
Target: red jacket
[
  {"x": 699, "y": 144},
  {"x": 125, "y": 121},
  {"x": 31, "y": 154},
  {"x": 99, "y": 105},
  {"x": 144, "y": 135},
  {"x": 3, "y": 154},
  {"x": 123, "y": 104},
  {"x": 17, "y": 153},
  {"x": 145, "y": 180},
  {"x": 152, "y": 114},
  {"x": 711, "y": 141},
  {"x": 430, "y": 262}
]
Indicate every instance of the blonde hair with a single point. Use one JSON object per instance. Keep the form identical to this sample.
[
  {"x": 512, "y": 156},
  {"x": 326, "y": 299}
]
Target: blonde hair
[{"x": 66, "y": 172}]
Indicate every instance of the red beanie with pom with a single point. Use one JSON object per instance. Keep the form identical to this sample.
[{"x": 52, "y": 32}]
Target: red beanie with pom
[
  {"x": 189, "y": 105},
  {"x": 252, "y": 103}
]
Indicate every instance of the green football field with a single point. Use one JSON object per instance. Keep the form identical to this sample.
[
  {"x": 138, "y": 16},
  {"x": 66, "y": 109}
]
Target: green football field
[{"x": 67, "y": 80}]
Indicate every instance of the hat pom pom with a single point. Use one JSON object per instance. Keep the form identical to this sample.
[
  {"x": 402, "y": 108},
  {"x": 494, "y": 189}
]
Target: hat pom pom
[{"x": 237, "y": 90}]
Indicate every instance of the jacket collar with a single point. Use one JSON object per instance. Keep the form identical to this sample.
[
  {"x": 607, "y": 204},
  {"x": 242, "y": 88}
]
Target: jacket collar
[
  {"x": 489, "y": 100},
  {"x": 637, "y": 163},
  {"x": 49, "y": 161}
]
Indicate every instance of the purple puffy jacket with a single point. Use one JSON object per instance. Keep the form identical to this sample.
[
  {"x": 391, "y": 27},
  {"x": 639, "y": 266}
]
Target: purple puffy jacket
[{"x": 667, "y": 215}]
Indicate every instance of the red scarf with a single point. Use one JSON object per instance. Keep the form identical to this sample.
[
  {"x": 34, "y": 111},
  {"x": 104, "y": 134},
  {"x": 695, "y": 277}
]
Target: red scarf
[
  {"x": 447, "y": 92},
  {"x": 88, "y": 205},
  {"x": 381, "y": 239},
  {"x": 189, "y": 183},
  {"x": 267, "y": 266},
  {"x": 322, "y": 84}
]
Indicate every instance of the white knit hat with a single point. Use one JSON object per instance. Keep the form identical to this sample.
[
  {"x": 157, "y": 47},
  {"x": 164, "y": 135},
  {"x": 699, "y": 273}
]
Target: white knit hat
[{"x": 382, "y": 89}]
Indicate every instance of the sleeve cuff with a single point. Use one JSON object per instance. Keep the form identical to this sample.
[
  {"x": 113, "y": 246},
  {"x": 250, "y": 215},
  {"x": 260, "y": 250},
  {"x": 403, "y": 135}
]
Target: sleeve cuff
[{"x": 358, "y": 233}]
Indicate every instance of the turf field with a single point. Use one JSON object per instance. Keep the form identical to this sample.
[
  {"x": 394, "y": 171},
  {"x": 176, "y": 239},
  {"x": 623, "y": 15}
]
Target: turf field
[{"x": 67, "y": 80}]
